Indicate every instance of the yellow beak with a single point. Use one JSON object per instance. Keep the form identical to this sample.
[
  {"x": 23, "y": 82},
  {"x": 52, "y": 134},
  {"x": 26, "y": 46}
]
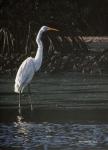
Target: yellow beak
[{"x": 52, "y": 29}]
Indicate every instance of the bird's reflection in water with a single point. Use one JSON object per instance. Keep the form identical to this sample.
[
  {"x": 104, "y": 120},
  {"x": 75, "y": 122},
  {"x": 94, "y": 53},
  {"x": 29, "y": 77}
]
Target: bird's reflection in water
[
  {"x": 20, "y": 124},
  {"x": 19, "y": 119},
  {"x": 24, "y": 133}
]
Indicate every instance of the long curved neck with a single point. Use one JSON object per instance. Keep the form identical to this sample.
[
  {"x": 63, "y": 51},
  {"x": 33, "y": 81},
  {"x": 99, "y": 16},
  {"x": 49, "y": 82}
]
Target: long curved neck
[{"x": 39, "y": 54}]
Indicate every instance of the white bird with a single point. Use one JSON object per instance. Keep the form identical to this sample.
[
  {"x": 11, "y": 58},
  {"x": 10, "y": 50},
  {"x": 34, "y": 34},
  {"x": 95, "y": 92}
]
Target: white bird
[{"x": 29, "y": 66}]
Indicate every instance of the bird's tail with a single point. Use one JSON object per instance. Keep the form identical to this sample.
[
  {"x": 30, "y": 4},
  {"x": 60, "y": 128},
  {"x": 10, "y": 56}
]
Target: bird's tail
[{"x": 17, "y": 88}]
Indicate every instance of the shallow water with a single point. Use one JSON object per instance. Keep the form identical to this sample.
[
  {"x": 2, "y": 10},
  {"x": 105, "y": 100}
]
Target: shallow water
[{"x": 70, "y": 112}]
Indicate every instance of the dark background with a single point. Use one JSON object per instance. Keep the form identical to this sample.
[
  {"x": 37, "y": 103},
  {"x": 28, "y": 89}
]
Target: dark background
[
  {"x": 20, "y": 21},
  {"x": 89, "y": 16}
]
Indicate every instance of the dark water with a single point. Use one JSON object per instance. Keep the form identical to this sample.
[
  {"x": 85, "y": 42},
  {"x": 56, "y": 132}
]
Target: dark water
[
  {"x": 70, "y": 113},
  {"x": 47, "y": 135}
]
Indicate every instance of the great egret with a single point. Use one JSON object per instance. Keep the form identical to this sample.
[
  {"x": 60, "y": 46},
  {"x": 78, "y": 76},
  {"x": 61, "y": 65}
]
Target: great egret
[{"x": 30, "y": 66}]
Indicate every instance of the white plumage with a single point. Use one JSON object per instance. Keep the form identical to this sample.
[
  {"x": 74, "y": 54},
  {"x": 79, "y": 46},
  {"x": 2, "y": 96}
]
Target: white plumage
[
  {"x": 24, "y": 74},
  {"x": 30, "y": 65}
]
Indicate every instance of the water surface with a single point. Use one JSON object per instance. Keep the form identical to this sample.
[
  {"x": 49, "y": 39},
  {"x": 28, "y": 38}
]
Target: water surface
[{"x": 70, "y": 112}]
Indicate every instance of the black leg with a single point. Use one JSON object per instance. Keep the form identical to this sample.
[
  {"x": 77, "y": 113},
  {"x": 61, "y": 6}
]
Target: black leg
[
  {"x": 19, "y": 105},
  {"x": 29, "y": 94}
]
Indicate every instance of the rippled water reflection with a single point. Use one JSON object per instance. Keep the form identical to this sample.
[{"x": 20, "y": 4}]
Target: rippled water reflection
[{"x": 54, "y": 136}]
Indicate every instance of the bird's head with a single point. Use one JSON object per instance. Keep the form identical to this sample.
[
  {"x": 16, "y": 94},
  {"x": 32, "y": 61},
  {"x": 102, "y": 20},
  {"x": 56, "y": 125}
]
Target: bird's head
[{"x": 45, "y": 28}]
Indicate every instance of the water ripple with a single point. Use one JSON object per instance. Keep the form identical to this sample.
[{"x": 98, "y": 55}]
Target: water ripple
[{"x": 53, "y": 135}]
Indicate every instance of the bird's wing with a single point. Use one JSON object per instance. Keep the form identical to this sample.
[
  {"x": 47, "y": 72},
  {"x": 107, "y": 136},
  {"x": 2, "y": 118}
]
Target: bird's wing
[{"x": 25, "y": 72}]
